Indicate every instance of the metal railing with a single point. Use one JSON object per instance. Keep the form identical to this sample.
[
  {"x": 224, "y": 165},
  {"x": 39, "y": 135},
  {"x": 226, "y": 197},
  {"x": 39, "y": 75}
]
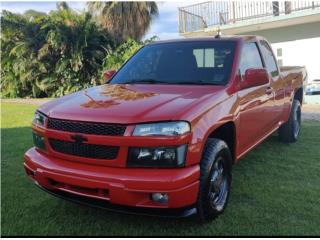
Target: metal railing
[{"x": 199, "y": 16}]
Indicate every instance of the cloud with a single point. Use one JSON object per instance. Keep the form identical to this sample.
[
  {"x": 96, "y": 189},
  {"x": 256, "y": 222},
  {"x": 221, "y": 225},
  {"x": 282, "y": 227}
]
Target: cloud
[
  {"x": 165, "y": 26},
  {"x": 163, "y": 35},
  {"x": 21, "y": 7}
]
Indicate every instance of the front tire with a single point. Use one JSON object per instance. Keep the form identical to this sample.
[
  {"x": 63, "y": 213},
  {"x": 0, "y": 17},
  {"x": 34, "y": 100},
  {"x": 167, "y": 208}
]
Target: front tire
[
  {"x": 290, "y": 130},
  {"x": 215, "y": 180}
]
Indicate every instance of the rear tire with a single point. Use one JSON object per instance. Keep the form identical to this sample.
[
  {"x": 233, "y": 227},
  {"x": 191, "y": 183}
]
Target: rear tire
[
  {"x": 290, "y": 130},
  {"x": 215, "y": 180}
]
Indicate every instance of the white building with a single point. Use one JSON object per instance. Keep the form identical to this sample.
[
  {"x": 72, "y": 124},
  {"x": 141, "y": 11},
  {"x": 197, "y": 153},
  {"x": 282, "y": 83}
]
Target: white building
[{"x": 292, "y": 28}]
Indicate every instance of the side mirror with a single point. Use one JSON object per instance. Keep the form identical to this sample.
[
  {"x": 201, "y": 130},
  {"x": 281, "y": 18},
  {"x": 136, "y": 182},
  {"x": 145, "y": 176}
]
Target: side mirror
[
  {"x": 254, "y": 77},
  {"x": 108, "y": 75}
]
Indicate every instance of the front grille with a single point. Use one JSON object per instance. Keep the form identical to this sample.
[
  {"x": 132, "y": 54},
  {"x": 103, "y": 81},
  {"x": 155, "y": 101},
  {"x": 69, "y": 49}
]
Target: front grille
[
  {"x": 86, "y": 127},
  {"x": 84, "y": 149}
]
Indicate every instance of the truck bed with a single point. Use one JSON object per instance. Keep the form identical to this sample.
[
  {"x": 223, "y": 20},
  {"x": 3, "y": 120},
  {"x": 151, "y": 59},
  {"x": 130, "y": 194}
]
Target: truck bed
[
  {"x": 295, "y": 71},
  {"x": 296, "y": 75}
]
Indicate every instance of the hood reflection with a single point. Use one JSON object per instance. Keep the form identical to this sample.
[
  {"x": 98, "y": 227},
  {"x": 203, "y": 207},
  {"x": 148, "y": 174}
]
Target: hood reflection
[{"x": 115, "y": 93}]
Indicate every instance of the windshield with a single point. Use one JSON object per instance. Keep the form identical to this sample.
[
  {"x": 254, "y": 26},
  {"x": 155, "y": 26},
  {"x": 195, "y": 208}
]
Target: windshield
[{"x": 180, "y": 63}]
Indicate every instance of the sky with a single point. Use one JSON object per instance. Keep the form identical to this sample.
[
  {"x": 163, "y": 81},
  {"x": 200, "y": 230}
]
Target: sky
[{"x": 165, "y": 26}]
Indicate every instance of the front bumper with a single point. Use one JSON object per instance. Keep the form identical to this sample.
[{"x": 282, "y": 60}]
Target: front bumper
[
  {"x": 120, "y": 189},
  {"x": 170, "y": 212}
]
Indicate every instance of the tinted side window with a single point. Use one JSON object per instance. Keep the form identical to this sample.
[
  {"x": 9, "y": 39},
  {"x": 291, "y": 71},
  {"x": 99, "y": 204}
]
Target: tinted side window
[
  {"x": 250, "y": 58},
  {"x": 269, "y": 59}
]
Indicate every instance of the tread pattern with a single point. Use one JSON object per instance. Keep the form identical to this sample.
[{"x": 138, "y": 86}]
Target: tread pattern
[
  {"x": 286, "y": 131},
  {"x": 212, "y": 148}
]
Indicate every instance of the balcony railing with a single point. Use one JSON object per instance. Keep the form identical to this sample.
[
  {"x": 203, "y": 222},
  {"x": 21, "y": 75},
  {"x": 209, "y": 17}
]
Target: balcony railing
[{"x": 199, "y": 16}]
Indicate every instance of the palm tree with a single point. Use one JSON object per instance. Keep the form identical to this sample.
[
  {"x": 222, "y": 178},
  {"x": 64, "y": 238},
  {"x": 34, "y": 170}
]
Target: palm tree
[
  {"x": 124, "y": 19},
  {"x": 62, "y": 6}
]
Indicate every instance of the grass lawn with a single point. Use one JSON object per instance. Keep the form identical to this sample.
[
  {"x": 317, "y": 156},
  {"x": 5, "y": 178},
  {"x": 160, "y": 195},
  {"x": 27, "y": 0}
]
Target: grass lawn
[{"x": 275, "y": 191}]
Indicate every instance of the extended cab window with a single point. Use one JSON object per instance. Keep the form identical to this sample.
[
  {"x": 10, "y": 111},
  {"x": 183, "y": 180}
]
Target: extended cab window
[
  {"x": 203, "y": 62},
  {"x": 250, "y": 57},
  {"x": 269, "y": 59}
]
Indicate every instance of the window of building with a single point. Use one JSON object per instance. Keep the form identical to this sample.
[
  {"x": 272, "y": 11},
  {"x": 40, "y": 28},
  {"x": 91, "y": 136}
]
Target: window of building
[
  {"x": 279, "y": 52},
  {"x": 280, "y": 62}
]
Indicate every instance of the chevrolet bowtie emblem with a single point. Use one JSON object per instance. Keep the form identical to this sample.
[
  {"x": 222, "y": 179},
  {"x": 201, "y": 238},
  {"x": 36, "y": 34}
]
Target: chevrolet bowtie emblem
[{"x": 79, "y": 138}]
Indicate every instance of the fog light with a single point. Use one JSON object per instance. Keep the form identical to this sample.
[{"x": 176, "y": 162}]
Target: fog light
[
  {"x": 160, "y": 197},
  {"x": 38, "y": 141}
]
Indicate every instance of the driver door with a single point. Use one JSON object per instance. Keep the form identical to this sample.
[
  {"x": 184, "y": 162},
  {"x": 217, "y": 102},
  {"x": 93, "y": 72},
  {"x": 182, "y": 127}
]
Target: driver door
[{"x": 255, "y": 102}]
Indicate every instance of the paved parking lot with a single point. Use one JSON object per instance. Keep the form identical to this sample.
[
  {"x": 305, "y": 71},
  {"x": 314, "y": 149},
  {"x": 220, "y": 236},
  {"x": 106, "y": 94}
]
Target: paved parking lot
[
  {"x": 311, "y": 112},
  {"x": 312, "y": 99}
]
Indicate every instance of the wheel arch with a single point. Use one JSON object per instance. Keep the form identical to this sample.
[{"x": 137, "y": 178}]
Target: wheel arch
[
  {"x": 227, "y": 133},
  {"x": 298, "y": 94}
]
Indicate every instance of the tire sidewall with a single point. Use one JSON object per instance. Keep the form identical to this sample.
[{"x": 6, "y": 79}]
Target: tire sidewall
[
  {"x": 287, "y": 130},
  {"x": 296, "y": 107},
  {"x": 205, "y": 210}
]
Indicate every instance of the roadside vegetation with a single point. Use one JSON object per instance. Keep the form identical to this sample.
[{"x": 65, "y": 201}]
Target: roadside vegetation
[
  {"x": 50, "y": 55},
  {"x": 275, "y": 191}
]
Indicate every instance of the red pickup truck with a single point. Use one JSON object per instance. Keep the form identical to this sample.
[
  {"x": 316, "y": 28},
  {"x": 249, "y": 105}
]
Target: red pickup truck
[{"x": 162, "y": 135}]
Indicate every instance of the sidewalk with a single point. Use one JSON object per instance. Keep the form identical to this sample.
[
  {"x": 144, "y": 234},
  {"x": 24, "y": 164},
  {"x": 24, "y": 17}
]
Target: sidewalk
[{"x": 311, "y": 112}]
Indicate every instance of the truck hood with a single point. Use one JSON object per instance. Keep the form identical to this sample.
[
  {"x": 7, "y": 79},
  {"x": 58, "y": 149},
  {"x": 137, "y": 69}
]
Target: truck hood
[{"x": 128, "y": 104}]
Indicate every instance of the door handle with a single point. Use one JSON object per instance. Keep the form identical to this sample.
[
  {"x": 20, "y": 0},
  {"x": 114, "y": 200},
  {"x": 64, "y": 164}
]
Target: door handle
[{"x": 269, "y": 90}]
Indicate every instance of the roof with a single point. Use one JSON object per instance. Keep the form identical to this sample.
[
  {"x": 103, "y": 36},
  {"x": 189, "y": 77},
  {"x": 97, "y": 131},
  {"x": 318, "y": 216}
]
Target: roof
[{"x": 206, "y": 38}]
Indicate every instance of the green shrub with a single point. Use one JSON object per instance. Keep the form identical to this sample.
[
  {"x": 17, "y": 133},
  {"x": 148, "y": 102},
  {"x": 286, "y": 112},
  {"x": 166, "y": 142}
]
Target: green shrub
[
  {"x": 122, "y": 53},
  {"x": 49, "y": 55}
]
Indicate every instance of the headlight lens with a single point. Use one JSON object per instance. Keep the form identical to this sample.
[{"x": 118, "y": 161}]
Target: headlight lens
[
  {"x": 162, "y": 129},
  {"x": 39, "y": 119},
  {"x": 157, "y": 157}
]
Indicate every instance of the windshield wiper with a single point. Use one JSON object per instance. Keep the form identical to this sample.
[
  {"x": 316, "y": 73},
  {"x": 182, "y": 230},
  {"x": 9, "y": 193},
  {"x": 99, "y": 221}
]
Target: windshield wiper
[
  {"x": 196, "y": 83},
  {"x": 147, "y": 80},
  {"x": 154, "y": 81}
]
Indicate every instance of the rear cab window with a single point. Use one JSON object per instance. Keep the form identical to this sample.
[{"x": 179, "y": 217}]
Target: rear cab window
[{"x": 269, "y": 58}]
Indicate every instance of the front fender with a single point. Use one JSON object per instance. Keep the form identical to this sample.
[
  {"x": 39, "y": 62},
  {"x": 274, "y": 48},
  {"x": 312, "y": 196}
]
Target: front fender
[{"x": 207, "y": 123}]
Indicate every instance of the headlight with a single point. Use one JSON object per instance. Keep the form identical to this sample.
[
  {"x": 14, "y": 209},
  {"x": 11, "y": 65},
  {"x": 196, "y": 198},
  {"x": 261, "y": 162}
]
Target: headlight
[
  {"x": 162, "y": 129},
  {"x": 39, "y": 119},
  {"x": 157, "y": 157}
]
